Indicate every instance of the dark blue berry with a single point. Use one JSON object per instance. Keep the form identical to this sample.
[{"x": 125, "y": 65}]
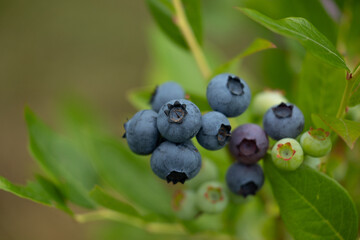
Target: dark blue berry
[
  {"x": 141, "y": 132},
  {"x": 176, "y": 162},
  {"x": 166, "y": 92},
  {"x": 244, "y": 179},
  {"x": 179, "y": 120},
  {"x": 248, "y": 143},
  {"x": 283, "y": 121},
  {"x": 214, "y": 132},
  {"x": 228, "y": 94}
]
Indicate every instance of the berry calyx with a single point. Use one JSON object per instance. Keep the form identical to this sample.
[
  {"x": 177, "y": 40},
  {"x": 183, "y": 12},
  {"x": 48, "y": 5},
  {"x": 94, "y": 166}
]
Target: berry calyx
[
  {"x": 211, "y": 197},
  {"x": 287, "y": 154},
  {"x": 235, "y": 86},
  {"x": 176, "y": 112},
  {"x": 316, "y": 142}
]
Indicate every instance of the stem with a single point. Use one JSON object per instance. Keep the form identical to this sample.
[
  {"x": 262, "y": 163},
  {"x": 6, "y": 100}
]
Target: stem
[
  {"x": 153, "y": 227},
  {"x": 195, "y": 48},
  {"x": 344, "y": 100},
  {"x": 350, "y": 80}
]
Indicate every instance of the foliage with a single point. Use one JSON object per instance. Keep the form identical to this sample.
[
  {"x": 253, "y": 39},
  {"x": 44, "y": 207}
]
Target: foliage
[{"x": 94, "y": 169}]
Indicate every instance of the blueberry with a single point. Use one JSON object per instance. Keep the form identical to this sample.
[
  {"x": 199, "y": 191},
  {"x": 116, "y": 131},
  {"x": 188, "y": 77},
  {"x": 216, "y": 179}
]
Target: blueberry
[
  {"x": 179, "y": 120},
  {"x": 184, "y": 204},
  {"x": 176, "y": 162},
  {"x": 228, "y": 94},
  {"x": 287, "y": 154},
  {"x": 211, "y": 197},
  {"x": 244, "y": 179},
  {"x": 248, "y": 143},
  {"x": 283, "y": 121},
  {"x": 316, "y": 142},
  {"x": 164, "y": 93},
  {"x": 141, "y": 132},
  {"x": 265, "y": 100},
  {"x": 214, "y": 132}
]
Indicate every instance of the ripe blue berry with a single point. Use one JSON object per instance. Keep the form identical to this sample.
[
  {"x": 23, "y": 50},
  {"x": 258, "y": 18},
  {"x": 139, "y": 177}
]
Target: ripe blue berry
[
  {"x": 316, "y": 142},
  {"x": 214, "y": 132},
  {"x": 176, "y": 162},
  {"x": 265, "y": 100},
  {"x": 283, "y": 121},
  {"x": 244, "y": 179},
  {"x": 179, "y": 120},
  {"x": 141, "y": 132},
  {"x": 248, "y": 143},
  {"x": 287, "y": 154},
  {"x": 228, "y": 94},
  {"x": 164, "y": 93},
  {"x": 184, "y": 204},
  {"x": 211, "y": 197}
]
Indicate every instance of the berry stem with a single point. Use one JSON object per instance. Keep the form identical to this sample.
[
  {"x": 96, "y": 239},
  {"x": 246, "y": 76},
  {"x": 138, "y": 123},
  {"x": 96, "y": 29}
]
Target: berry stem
[
  {"x": 152, "y": 227},
  {"x": 194, "y": 46},
  {"x": 350, "y": 81}
]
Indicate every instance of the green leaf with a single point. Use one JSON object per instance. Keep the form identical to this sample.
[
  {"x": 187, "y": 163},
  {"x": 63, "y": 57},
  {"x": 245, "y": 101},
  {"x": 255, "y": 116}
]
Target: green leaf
[
  {"x": 312, "y": 205},
  {"x": 140, "y": 98},
  {"x": 163, "y": 13},
  {"x": 68, "y": 168},
  {"x": 131, "y": 176},
  {"x": 303, "y": 31},
  {"x": 319, "y": 89},
  {"x": 40, "y": 191},
  {"x": 106, "y": 200},
  {"x": 348, "y": 130},
  {"x": 355, "y": 95},
  {"x": 257, "y": 45},
  {"x": 170, "y": 63}
]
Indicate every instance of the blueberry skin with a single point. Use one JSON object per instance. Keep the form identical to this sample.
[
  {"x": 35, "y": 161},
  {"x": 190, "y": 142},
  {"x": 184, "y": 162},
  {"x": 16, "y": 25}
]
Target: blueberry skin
[
  {"x": 228, "y": 94},
  {"x": 283, "y": 121},
  {"x": 166, "y": 92},
  {"x": 176, "y": 162},
  {"x": 179, "y": 120},
  {"x": 244, "y": 179},
  {"x": 141, "y": 132},
  {"x": 214, "y": 132},
  {"x": 248, "y": 143}
]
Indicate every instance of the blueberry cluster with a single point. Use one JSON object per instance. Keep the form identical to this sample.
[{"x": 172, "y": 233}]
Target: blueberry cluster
[{"x": 166, "y": 130}]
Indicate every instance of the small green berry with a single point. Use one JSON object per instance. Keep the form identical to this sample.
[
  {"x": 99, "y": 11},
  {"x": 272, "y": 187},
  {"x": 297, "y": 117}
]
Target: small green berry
[
  {"x": 211, "y": 197},
  {"x": 287, "y": 154},
  {"x": 316, "y": 142},
  {"x": 265, "y": 100},
  {"x": 184, "y": 204},
  {"x": 312, "y": 162},
  {"x": 208, "y": 172}
]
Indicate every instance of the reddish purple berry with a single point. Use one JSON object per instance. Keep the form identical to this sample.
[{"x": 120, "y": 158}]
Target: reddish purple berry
[{"x": 248, "y": 143}]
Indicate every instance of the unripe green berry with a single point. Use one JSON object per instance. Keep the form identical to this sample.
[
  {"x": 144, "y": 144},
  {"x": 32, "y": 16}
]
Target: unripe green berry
[
  {"x": 312, "y": 162},
  {"x": 211, "y": 197},
  {"x": 208, "y": 172},
  {"x": 287, "y": 154},
  {"x": 265, "y": 100},
  {"x": 316, "y": 142},
  {"x": 184, "y": 204}
]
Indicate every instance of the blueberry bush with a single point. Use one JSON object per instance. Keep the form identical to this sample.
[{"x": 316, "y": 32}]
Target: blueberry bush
[{"x": 291, "y": 168}]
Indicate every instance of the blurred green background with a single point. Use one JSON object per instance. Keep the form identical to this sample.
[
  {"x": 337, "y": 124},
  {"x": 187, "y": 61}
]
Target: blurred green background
[{"x": 51, "y": 51}]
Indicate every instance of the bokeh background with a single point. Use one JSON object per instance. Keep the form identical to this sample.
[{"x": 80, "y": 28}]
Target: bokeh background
[{"x": 54, "y": 50}]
